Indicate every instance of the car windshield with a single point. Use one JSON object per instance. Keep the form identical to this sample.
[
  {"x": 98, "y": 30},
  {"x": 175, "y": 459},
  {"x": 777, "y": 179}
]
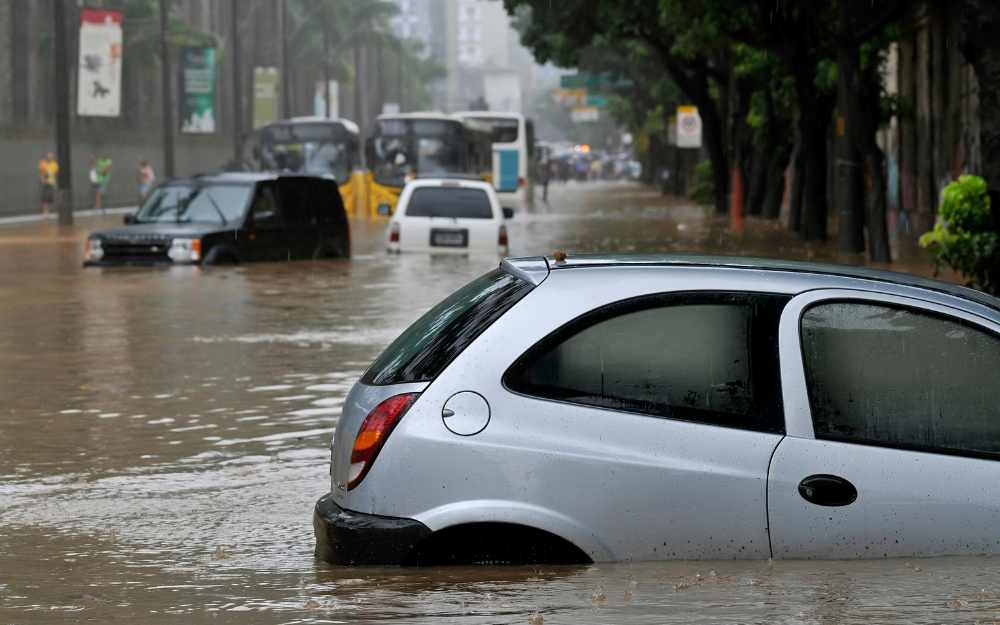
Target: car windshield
[
  {"x": 183, "y": 203},
  {"x": 451, "y": 202}
]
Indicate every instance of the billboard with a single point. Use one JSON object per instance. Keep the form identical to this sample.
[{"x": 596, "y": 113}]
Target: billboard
[
  {"x": 688, "y": 127},
  {"x": 265, "y": 95},
  {"x": 198, "y": 71},
  {"x": 99, "y": 84}
]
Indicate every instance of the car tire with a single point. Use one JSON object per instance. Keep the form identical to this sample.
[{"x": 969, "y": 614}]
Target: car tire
[{"x": 220, "y": 256}]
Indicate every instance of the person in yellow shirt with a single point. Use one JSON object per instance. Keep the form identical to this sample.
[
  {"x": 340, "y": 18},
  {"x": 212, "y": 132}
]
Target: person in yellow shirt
[{"x": 48, "y": 174}]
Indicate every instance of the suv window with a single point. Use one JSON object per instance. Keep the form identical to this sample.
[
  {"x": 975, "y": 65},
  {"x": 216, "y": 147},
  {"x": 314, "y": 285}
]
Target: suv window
[
  {"x": 433, "y": 341},
  {"x": 892, "y": 376},
  {"x": 265, "y": 207},
  {"x": 703, "y": 357},
  {"x": 452, "y": 202}
]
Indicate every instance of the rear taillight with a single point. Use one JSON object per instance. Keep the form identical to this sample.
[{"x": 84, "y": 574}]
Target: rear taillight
[
  {"x": 394, "y": 232},
  {"x": 502, "y": 239},
  {"x": 521, "y": 182},
  {"x": 375, "y": 429}
]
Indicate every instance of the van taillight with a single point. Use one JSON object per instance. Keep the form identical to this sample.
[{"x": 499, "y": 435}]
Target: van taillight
[
  {"x": 521, "y": 182},
  {"x": 375, "y": 429},
  {"x": 502, "y": 239},
  {"x": 394, "y": 232}
]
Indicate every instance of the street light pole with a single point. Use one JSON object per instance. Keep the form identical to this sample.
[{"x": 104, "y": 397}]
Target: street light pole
[
  {"x": 168, "y": 100},
  {"x": 286, "y": 79},
  {"x": 62, "y": 94},
  {"x": 399, "y": 75},
  {"x": 234, "y": 38}
]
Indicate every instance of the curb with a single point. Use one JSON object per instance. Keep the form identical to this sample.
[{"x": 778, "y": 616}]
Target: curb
[{"x": 24, "y": 219}]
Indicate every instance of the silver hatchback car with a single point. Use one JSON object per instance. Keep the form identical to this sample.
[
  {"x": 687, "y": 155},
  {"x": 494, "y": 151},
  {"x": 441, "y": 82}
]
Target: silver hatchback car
[{"x": 601, "y": 408}]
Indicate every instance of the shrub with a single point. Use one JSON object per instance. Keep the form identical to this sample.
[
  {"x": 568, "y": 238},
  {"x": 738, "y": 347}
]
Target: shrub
[
  {"x": 965, "y": 237},
  {"x": 702, "y": 188}
]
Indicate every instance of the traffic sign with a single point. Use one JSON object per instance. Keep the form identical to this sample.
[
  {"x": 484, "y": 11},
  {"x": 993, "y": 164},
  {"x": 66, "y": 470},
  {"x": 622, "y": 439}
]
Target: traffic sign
[
  {"x": 585, "y": 114},
  {"x": 688, "y": 127},
  {"x": 597, "y": 100},
  {"x": 593, "y": 82}
]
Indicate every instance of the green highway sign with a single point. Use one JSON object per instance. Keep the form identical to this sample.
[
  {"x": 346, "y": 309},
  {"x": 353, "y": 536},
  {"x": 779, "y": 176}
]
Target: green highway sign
[
  {"x": 597, "y": 100},
  {"x": 593, "y": 82}
]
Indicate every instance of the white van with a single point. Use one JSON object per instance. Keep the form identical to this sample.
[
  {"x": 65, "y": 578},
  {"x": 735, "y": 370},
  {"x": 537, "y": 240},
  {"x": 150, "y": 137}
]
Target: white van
[{"x": 445, "y": 215}]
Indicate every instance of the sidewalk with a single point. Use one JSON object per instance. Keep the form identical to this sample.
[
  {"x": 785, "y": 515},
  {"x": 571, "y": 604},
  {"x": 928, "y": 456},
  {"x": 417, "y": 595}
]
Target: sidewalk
[{"x": 52, "y": 216}]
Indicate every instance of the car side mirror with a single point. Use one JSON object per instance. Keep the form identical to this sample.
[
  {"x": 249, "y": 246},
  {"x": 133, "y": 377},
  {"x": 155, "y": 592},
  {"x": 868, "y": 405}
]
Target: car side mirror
[
  {"x": 508, "y": 212},
  {"x": 129, "y": 219},
  {"x": 384, "y": 209}
]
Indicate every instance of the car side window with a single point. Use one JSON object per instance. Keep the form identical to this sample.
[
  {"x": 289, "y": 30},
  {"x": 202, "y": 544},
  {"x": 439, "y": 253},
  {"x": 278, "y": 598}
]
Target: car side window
[
  {"x": 265, "y": 208},
  {"x": 702, "y": 357},
  {"x": 900, "y": 377}
]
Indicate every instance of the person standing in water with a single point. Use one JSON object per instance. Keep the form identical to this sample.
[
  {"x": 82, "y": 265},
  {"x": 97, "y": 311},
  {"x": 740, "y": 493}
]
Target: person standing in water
[
  {"x": 48, "y": 174},
  {"x": 146, "y": 178}
]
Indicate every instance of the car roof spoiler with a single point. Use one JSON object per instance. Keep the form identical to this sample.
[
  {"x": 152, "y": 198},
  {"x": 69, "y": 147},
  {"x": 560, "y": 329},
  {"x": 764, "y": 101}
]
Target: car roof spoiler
[{"x": 531, "y": 269}]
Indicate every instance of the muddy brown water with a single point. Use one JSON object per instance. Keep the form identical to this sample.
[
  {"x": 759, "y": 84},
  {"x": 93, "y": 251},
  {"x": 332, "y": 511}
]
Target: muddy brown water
[{"x": 164, "y": 434}]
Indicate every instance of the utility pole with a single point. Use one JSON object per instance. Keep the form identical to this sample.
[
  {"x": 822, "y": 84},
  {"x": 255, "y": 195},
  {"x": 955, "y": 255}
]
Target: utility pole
[
  {"x": 62, "y": 95},
  {"x": 358, "y": 95},
  {"x": 234, "y": 38},
  {"x": 286, "y": 78},
  {"x": 168, "y": 99},
  {"x": 380, "y": 85},
  {"x": 399, "y": 75}
]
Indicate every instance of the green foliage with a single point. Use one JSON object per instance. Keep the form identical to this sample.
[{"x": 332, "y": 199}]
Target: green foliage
[
  {"x": 964, "y": 238},
  {"x": 702, "y": 189}
]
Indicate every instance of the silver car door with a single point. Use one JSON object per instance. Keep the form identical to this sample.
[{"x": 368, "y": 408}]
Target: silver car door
[{"x": 893, "y": 445}]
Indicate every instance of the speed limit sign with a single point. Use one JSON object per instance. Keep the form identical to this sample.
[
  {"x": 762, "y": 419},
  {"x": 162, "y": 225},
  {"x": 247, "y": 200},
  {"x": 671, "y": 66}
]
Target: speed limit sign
[{"x": 688, "y": 127}]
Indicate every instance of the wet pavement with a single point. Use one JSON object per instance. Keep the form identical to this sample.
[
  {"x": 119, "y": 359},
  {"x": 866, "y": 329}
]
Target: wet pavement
[{"x": 164, "y": 434}]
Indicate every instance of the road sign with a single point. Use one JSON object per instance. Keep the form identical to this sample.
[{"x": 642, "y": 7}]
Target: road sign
[
  {"x": 598, "y": 101},
  {"x": 688, "y": 127},
  {"x": 571, "y": 97},
  {"x": 585, "y": 114},
  {"x": 593, "y": 82}
]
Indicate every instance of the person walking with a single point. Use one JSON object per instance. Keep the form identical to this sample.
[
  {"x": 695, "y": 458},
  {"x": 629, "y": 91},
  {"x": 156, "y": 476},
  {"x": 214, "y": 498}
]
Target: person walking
[
  {"x": 146, "y": 177},
  {"x": 100, "y": 175},
  {"x": 48, "y": 174}
]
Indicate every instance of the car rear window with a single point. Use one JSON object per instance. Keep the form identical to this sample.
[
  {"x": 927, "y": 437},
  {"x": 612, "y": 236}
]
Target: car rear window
[
  {"x": 452, "y": 202},
  {"x": 433, "y": 341}
]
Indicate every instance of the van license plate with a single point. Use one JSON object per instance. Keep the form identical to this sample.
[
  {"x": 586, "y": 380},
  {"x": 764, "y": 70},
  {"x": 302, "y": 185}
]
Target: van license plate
[{"x": 449, "y": 238}]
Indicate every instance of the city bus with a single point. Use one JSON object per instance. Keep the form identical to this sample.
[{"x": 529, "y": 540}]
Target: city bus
[
  {"x": 406, "y": 145},
  {"x": 513, "y": 172},
  {"x": 311, "y": 145}
]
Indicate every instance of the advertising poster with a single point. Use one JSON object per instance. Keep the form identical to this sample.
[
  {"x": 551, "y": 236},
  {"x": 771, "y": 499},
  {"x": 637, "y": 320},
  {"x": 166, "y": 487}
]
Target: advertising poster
[
  {"x": 265, "y": 95},
  {"x": 198, "y": 81},
  {"x": 99, "y": 88}
]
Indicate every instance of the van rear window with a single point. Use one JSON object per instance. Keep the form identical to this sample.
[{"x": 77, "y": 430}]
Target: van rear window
[
  {"x": 422, "y": 352},
  {"x": 451, "y": 202}
]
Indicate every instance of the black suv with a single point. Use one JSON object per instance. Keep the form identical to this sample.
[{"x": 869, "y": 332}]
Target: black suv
[{"x": 228, "y": 218}]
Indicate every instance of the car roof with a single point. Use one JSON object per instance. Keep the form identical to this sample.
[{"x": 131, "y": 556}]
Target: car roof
[
  {"x": 535, "y": 268},
  {"x": 448, "y": 181}
]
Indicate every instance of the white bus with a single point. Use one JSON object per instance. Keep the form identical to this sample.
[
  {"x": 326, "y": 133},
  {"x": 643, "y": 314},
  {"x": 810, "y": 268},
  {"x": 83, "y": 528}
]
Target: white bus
[{"x": 513, "y": 156}]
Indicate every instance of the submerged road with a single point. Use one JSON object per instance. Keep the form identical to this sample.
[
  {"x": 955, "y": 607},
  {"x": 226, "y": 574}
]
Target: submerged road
[{"x": 164, "y": 434}]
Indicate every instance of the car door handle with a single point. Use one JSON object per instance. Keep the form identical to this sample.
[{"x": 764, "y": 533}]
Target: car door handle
[{"x": 828, "y": 490}]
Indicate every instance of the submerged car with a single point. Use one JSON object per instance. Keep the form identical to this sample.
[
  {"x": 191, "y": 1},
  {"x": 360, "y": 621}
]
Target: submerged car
[
  {"x": 443, "y": 215},
  {"x": 609, "y": 408},
  {"x": 228, "y": 218}
]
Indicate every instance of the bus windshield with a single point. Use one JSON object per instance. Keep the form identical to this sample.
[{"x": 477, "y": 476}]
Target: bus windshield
[
  {"x": 505, "y": 129},
  {"x": 315, "y": 149},
  {"x": 405, "y": 147}
]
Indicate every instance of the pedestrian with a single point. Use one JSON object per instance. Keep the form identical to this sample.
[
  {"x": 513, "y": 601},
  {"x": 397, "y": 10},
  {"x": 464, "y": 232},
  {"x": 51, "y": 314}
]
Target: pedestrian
[
  {"x": 48, "y": 174},
  {"x": 543, "y": 177},
  {"x": 100, "y": 175},
  {"x": 664, "y": 180},
  {"x": 146, "y": 177}
]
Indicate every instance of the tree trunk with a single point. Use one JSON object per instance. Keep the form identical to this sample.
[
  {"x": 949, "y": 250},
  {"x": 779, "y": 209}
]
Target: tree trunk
[
  {"x": 758, "y": 181},
  {"x": 878, "y": 231},
  {"x": 798, "y": 188},
  {"x": 812, "y": 126},
  {"x": 850, "y": 176},
  {"x": 980, "y": 23}
]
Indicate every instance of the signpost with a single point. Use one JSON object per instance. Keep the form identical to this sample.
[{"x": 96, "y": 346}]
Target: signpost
[{"x": 688, "y": 127}]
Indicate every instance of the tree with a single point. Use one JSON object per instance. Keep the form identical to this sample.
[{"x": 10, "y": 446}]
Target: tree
[{"x": 558, "y": 32}]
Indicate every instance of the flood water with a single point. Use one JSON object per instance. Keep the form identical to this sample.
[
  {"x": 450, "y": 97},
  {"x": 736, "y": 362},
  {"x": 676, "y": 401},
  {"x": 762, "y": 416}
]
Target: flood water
[{"x": 164, "y": 435}]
